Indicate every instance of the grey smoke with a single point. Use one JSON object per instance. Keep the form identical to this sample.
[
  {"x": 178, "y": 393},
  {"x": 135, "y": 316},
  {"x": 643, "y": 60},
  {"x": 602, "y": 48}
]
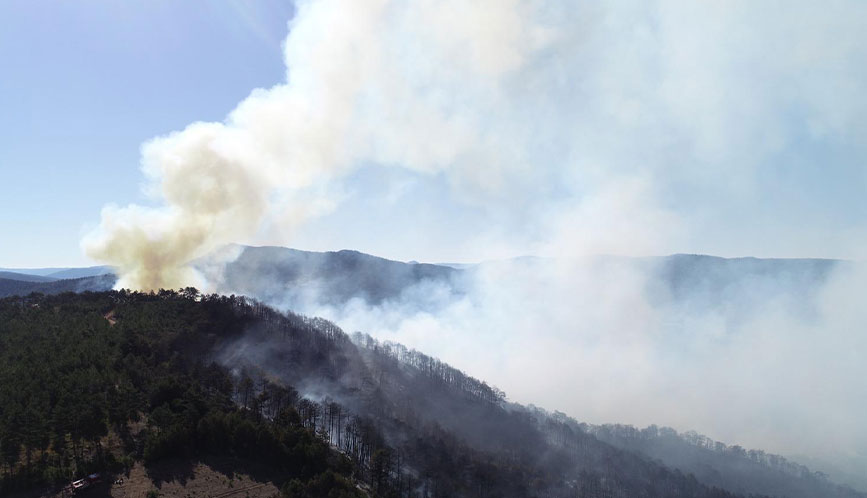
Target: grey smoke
[
  {"x": 761, "y": 353},
  {"x": 559, "y": 127}
]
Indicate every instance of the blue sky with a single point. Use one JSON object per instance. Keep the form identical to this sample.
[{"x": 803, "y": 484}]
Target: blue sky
[
  {"x": 83, "y": 84},
  {"x": 644, "y": 128}
]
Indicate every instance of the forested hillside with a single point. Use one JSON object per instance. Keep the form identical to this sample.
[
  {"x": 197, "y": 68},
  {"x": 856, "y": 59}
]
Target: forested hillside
[
  {"x": 179, "y": 374},
  {"x": 713, "y": 462},
  {"x": 68, "y": 378}
]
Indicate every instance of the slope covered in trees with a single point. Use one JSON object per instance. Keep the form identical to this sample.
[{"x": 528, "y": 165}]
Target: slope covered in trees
[
  {"x": 69, "y": 378},
  {"x": 714, "y": 462},
  {"x": 178, "y": 374}
]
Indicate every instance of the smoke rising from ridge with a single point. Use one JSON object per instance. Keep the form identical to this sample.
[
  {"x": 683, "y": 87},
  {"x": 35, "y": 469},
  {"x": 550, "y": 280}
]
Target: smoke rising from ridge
[
  {"x": 530, "y": 111},
  {"x": 349, "y": 97}
]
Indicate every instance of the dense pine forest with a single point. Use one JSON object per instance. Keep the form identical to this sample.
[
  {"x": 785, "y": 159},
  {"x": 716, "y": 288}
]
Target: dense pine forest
[
  {"x": 184, "y": 375},
  {"x": 68, "y": 378}
]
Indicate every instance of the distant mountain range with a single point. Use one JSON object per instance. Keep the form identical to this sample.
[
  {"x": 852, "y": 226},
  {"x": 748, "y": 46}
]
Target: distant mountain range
[
  {"x": 297, "y": 279},
  {"x": 303, "y": 280},
  {"x": 293, "y": 277},
  {"x": 24, "y": 277},
  {"x": 57, "y": 273},
  {"x": 23, "y": 281},
  {"x": 13, "y": 287}
]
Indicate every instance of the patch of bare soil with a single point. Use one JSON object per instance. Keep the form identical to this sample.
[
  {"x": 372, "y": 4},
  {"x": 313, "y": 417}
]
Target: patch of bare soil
[
  {"x": 210, "y": 478},
  {"x": 110, "y": 317},
  {"x": 214, "y": 478}
]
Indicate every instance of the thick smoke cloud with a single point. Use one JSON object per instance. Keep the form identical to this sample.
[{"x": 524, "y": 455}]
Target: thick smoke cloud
[
  {"x": 575, "y": 129},
  {"x": 355, "y": 92},
  {"x": 766, "y": 361},
  {"x": 528, "y": 110}
]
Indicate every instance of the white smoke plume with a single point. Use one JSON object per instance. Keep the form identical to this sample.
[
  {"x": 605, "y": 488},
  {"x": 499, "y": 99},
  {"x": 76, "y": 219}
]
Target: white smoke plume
[
  {"x": 526, "y": 107},
  {"x": 354, "y": 92}
]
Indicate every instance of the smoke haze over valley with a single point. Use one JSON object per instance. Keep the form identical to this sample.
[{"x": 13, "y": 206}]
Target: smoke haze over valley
[{"x": 737, "y": 349}]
